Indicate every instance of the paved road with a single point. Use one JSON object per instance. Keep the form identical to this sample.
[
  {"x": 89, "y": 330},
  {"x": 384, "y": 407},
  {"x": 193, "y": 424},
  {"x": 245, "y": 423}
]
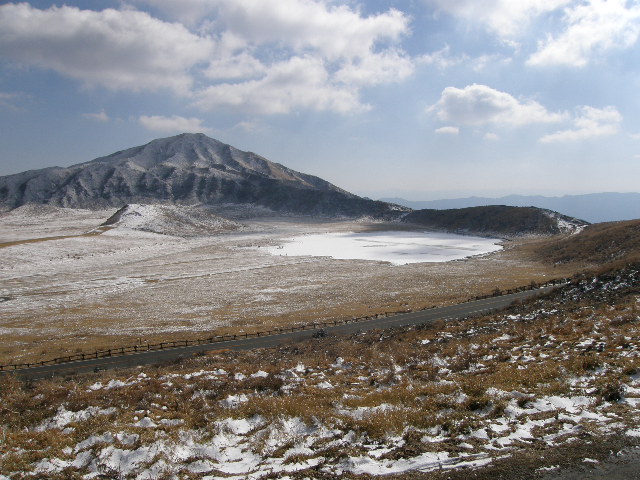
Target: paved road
[{"x": 159, "y": 356}]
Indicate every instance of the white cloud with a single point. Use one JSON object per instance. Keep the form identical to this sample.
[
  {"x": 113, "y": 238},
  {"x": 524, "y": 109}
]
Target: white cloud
[
  {"x": 375, "y": 69},
  {"x": 265, "y": 46},
  {"x": 482, "y": 62},
  {"x": 491, "y": 136},
  {"x": 114, "y": 49},
  {"x": 173, "y": 124},
  {"x": 507, "y": 18},
  {"x": 247, "y": 54},
  {"x": 100, "y": 116},
  {"x": 479, "y": 105},
  {"x": 589, "y": 123},
  {"x": 337, "y": 31},
  {"x": 11, "y": 100},
  {"x": 298, "y": 83},
  {"x": 442, "y": 58},
  {"x": 448, "y": 130},
  {"x": 239, "y": 66},
  {"x": 248, "y": 126},
  {"x": 592, "y": 28}
]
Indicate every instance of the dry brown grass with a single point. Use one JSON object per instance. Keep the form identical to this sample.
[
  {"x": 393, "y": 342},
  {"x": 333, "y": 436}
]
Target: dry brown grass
[
  {"x": 452, "y": 377},
  {"x": 597, "y": 244}
]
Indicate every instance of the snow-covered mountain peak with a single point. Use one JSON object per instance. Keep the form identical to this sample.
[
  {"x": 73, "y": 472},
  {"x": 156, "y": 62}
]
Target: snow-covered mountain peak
[{"x": 187, "y": 169}]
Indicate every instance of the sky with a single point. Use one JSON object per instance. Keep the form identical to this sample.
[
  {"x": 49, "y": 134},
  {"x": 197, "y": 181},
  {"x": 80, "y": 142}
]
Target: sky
[{"x": 421, "y": 99}]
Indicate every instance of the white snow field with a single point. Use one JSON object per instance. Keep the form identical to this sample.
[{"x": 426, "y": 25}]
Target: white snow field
[{"x": 395, "y": 247}]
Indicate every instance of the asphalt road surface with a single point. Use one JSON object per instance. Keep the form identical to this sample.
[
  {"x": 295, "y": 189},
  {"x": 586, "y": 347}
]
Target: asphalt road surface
[{"x": 451, "y": 312}]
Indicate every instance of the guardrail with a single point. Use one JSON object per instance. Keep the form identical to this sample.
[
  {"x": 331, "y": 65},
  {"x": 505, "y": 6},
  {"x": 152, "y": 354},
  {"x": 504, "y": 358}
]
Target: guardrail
[{"x": 133, "y": 349}]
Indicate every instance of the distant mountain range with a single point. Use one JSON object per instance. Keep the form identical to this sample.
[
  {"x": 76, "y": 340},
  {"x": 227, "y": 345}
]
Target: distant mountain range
[
  {"x": 188, "y": 169},
  {"x": 594, "y": 208}
]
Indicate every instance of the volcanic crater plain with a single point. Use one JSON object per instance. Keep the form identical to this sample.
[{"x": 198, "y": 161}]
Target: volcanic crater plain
[{"x": 69, "y": 285}]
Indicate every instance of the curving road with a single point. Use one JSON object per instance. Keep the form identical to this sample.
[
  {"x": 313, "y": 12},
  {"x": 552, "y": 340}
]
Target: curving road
[{"x": 450, "y": 312}]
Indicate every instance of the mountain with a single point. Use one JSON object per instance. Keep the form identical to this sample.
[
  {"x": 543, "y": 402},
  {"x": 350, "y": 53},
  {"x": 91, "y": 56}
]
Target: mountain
[
  {"x": 496, "y": 220},
  {"x": 187, "y": 169},
  {"x": 594, "y": 207}
]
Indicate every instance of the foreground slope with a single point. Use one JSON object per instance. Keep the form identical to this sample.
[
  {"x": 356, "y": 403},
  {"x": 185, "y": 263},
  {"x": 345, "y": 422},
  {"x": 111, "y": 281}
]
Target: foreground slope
[
  {"x": 597, "y": 244},
  {"x": 516, "y": 394},
  {"x": 187, "y": 169}
]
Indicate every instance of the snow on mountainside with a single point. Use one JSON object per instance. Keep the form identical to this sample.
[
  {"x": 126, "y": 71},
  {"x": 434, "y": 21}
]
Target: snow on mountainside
[
  {"x": 188, "y": 169},
  {"x": 170, "y": 220},
  {"x": 564, "y": 223}
]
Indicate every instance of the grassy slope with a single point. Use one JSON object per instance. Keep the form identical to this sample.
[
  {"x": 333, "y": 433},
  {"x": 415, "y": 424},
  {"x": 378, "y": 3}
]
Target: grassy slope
[
  {"x": 409, "y": 392},
  {"x": 600, "y": 243}
]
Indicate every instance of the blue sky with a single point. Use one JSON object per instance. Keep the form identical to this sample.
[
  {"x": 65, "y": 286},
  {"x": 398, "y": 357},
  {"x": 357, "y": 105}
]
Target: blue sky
[{"x": 423, "y": 99}]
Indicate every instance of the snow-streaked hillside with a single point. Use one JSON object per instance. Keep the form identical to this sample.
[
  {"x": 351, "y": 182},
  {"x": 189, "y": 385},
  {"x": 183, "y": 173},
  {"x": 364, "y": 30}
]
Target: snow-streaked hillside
[{"x": 171, "y": 220}]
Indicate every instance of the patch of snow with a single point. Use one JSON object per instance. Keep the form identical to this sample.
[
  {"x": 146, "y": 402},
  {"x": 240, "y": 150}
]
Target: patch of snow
[
  {"x": 234, "y": 401},
  {"x": 325, "y": 385},
  {"x": 173, "y": 422},
  {"x": 145, "y": 422},
  {"x": 64, "y": 417}
]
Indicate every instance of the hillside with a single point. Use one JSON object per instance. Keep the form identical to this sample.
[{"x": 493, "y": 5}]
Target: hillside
[
  {"x": 597, "y": 244},
  {"x": 170, "y": 220},
  {"x": 495, "y": 220},
  {"x": 187, "y": 169}
]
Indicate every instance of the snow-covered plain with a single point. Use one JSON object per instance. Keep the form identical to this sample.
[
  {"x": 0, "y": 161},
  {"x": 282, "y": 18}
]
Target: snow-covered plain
[{"x": 395, "y": 247}]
